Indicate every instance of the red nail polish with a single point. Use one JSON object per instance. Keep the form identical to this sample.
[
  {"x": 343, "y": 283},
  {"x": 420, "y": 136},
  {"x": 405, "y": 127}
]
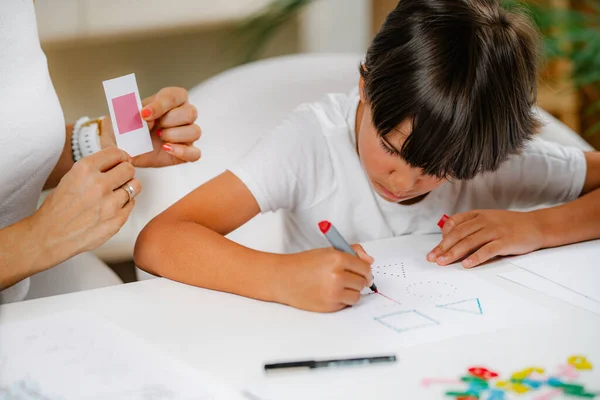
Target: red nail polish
[
  {"x": 442, "y": 221},
  {"x": 159, "y": 133},
  {"x": 146, "y": 112},
  {"x": 167, "y": 147}
]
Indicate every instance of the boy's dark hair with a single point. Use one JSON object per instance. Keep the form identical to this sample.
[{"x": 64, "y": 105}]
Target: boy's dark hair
[{"x": 465, "y": 72}]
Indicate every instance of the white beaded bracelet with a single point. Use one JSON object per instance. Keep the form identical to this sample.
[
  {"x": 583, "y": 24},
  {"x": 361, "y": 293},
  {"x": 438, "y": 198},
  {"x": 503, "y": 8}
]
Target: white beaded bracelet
[{"x": 85, "y": 139}]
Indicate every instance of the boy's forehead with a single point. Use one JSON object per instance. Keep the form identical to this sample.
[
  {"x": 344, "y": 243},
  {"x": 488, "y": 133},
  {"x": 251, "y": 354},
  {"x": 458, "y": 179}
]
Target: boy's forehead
[
  {"x": 400, "y": 133},
  {"x": 404, "y": 128}
]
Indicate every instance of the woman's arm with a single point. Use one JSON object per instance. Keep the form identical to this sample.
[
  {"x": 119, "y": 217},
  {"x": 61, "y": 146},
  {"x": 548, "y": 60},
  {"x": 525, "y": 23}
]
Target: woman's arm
[
  {"x": 22, "y": 253},
  {"x": 64, "y": 164},
  {"x": 87, "y": 207}
]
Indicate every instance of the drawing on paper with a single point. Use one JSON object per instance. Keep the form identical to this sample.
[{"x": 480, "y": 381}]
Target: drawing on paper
[
  {"x": 391, "y": 269},
  {"x": 403, "y": 321},
  {"x": 432, "y": 290},
  {"x": 470, "y": 306}
]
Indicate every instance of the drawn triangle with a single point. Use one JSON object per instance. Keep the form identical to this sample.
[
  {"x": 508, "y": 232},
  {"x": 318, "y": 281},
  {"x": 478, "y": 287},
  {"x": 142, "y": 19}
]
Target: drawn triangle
[{"x": 471, "y": 306}]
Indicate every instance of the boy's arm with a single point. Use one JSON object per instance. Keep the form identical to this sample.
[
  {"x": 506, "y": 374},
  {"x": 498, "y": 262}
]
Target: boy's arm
[
  {"x": 186, "y": 243},
  {"x": 577, "y": 220},
  {"x": 484, "y": 234}
]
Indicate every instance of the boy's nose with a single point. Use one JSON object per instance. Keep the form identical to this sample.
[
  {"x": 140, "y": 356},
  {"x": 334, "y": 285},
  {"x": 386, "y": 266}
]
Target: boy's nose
[{"x": 403, "y": 182}]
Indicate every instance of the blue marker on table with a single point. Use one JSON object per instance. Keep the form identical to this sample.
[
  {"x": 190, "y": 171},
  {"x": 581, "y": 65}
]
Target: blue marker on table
[{"x": 338, "y": 242}]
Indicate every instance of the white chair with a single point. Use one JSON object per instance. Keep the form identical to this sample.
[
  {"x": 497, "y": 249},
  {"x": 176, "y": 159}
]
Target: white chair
[{"x": 235, "y": 108}]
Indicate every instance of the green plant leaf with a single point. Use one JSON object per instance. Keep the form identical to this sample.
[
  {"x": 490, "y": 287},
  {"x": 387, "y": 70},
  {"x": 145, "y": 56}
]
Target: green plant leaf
[
  {"x": 591, "y": 131},
  {"x": 591, "y": 110},
  {"x": 256, "y": 31}
]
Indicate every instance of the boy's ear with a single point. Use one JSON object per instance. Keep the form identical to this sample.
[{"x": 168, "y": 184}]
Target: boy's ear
[{"x": 361, "y": 89}]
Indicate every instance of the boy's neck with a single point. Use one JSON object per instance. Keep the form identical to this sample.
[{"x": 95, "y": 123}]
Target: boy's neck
[{"x": 358, "y": 121}]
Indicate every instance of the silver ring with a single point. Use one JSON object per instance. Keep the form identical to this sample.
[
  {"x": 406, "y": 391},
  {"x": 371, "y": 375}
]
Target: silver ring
[{"x": 130, "y": 192}]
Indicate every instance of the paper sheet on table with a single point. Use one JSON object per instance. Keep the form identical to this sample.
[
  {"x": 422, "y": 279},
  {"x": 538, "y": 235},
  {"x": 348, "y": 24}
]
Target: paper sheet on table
[
  {"x": 532, "y": 281},
  {"x": 570, "y": 273},
  {"x": 124, "y": 105},
  {"x": 426, "y": 302},
  {"x": 72, "y": 355}
]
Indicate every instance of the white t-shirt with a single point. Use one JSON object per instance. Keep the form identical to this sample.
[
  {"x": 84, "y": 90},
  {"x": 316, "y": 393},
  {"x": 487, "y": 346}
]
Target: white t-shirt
[
  {"x": 309, "y": 167},
  {"x": 32, "y": 133}
]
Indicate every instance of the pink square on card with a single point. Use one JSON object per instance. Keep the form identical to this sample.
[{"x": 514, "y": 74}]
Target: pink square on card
[{"x": 127, "y": 113}]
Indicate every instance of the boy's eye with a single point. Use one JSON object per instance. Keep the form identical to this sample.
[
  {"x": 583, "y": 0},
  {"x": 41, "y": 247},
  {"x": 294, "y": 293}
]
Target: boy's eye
[{"x": 388, "y": 148}]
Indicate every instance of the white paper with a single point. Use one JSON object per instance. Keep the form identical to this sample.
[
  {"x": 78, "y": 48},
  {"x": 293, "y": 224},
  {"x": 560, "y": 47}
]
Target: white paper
[
  {"x": 532, "y": 281},
  {"x": 132, "y": 136},
  {"x": 430, "y": 303},
  {"x": 74, "y": 356},
  {"x": 570, "y": 273},
  {"x": 576, "y": 267}
]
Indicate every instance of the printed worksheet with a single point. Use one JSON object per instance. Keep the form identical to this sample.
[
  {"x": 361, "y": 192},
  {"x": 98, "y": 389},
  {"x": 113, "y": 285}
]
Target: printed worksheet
[{"x": 420, "y": 302}]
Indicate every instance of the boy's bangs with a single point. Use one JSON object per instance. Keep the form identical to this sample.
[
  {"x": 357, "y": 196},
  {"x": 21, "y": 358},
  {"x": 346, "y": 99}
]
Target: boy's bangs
[{"x": 462, "y": 145}]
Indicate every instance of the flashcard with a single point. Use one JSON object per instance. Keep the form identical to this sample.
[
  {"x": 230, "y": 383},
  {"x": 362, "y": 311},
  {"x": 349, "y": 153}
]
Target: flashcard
[{"x": 124, "y": 104}]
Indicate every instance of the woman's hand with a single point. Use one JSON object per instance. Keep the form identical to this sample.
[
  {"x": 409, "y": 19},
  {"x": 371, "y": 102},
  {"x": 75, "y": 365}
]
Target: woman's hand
[
  {"x": 171, "y": 122},
  {"x": 482, "y": 235},
  {"x": 88, "y": 206}
]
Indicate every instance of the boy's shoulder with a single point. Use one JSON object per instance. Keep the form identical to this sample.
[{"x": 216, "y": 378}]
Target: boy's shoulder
[
  {"x": 334, "y": 114},
  {"x": 543, "y": 172}
]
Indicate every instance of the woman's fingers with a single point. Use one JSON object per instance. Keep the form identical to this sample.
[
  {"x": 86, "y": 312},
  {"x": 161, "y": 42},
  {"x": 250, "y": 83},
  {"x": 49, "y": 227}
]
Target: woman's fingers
[
  {"x": 183, "y": 152},
  {"x": 105, "y": 159},
  {"x": 180, "y": 134},
  {"x": 122, "y": 195},
  {"x": 120, "y": 174},
  {"x": 186, "y": 114},
  {"x": 164, "y": 101}
]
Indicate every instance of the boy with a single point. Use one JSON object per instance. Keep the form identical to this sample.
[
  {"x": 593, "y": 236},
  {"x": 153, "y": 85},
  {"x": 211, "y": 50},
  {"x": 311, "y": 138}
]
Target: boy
[{"x": 442, "y": 122}]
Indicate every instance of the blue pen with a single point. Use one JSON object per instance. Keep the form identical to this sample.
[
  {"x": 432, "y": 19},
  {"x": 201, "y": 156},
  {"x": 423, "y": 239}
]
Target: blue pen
[{"x": 338, "y": 242}]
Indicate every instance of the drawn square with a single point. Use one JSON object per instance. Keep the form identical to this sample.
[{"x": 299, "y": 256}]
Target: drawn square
[
  {"x": 127, "y": 113},
  {"x": 406, "y": 320}
]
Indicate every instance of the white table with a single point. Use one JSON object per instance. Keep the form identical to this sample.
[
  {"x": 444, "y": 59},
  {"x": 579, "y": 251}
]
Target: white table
[{"x": 232, "y": 337}]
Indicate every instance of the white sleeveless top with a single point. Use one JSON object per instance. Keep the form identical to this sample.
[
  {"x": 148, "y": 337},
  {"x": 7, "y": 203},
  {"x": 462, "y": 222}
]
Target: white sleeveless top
[{"x": 32, "y": 126}]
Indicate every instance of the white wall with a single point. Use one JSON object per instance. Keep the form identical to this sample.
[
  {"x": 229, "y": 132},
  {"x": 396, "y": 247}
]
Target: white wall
[
  {"x": 160, "y": 59},
  {"x": 341, "y": 26}
]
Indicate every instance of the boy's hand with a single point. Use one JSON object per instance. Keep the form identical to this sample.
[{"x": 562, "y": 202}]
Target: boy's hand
[
  {"x": 325, "y": 280},
  {"x": 484, "y": 234}
]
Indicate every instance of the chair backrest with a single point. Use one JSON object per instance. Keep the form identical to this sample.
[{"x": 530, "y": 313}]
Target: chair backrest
[
  {"x": 244, "y": 103},
  {"x": 235, "y": 109}
]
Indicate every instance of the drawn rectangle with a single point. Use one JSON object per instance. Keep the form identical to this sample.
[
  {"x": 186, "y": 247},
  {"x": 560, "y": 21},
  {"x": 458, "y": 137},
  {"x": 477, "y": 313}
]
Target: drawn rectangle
[{"x": 403, "y": 321}]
